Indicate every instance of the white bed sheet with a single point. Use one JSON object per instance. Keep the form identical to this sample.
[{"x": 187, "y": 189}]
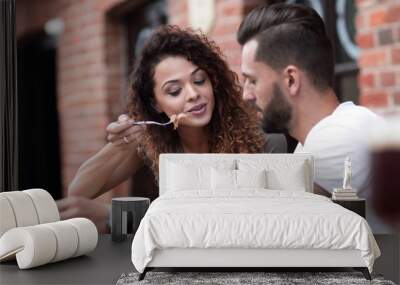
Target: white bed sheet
[{"x": 252, "y": 218}]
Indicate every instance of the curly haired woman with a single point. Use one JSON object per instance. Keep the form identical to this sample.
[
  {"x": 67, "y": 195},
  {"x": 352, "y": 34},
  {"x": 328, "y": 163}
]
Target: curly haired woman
[{"x": 178, "y": 72}]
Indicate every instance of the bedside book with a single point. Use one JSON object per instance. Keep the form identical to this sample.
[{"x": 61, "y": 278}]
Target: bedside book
[
  {"x": 344, "y": 194},
  {"x": 344, "y": 197}
]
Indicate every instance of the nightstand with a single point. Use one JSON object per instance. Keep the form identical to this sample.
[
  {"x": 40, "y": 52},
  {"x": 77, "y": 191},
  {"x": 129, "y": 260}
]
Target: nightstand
[{"x": 357, "y": 205}]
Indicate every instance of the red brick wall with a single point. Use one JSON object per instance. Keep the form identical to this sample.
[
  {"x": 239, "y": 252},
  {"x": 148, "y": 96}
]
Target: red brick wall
[
  {"x": 87, "y": 76},
  {"x": 90, "y": 74},
  {"x": 177, "y": 13},
  {"x": 228, "y": 15},
  {"x": 378, "y": 36}
]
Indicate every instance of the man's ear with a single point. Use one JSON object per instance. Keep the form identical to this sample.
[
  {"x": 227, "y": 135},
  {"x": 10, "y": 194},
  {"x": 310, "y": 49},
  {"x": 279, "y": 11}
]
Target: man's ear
[{"x": 292, "y": 79}]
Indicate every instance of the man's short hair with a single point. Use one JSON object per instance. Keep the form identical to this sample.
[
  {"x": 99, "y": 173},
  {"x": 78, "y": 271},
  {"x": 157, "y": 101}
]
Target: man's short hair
[{"x": 291, "y": 34}]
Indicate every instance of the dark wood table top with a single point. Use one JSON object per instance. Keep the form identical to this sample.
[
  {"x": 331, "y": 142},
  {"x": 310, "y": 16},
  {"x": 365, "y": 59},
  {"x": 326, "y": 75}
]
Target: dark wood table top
[{"x": 104, "y": 265}]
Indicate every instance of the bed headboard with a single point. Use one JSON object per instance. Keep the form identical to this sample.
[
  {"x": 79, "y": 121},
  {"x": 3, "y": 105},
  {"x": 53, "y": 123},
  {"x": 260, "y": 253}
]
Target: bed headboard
[{"x": 284, "y": 163}]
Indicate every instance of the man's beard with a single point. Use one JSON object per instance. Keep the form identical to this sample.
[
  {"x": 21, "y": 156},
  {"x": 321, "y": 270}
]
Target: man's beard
[
  {"x": 253, "y": 107},
  {"x": 277, "y": 114}
]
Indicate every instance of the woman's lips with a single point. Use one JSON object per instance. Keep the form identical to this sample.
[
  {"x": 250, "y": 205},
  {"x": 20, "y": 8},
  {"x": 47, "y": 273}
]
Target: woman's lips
[{"x": 198, "y": 110}]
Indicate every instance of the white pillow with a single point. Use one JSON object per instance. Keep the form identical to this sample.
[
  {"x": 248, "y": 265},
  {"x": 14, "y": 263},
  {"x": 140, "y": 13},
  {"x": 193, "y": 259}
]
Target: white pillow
[
  {"x": 295, "y": 180},
  {"x": 288, "y": 174},
  {"x": 223, "y": 179},
  {"x": 226, "y": 179},
  {"x": 181, "y": 177},
  {"x": 185, "y": 174},
  {"x": 251, "y": 178}
]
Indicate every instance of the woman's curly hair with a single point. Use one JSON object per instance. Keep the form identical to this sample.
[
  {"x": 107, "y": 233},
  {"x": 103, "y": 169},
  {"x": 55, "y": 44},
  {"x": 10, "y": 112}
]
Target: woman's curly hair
[{"x": 231, "y": 130}]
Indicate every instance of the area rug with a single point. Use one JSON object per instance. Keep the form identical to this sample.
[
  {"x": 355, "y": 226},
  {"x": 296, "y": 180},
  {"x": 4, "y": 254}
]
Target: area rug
[{"x": 268, "y": 278}]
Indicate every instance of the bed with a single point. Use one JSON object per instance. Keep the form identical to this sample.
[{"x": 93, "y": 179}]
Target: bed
[{"x": 245, "y": 211}]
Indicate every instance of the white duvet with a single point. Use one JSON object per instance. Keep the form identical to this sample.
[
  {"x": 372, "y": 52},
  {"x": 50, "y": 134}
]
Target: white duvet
[{"x": 253, "y": 218}]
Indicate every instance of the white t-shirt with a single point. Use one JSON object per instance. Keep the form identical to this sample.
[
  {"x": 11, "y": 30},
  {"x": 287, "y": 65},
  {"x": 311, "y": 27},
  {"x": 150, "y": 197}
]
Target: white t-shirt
[{"x": 343, "y": 133}]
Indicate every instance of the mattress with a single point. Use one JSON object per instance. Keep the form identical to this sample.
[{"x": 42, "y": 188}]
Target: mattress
[{"x": 251, "y": 219}]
